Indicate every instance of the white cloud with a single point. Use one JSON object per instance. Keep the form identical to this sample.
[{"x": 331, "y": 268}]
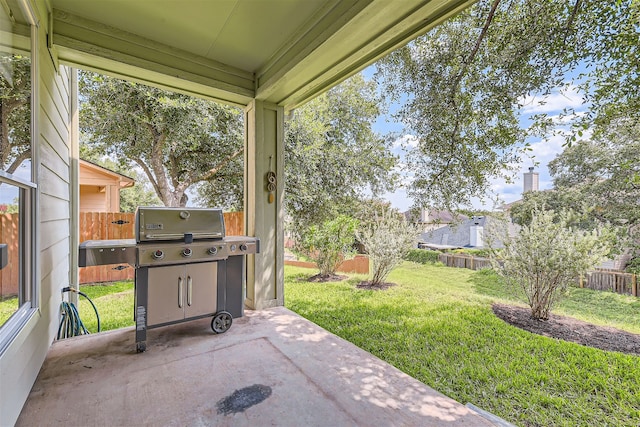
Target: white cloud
[
  {"x": 410, "y": 141},
  {"x": 547, "y": 149},
  {"x": 568, "y": 97}
]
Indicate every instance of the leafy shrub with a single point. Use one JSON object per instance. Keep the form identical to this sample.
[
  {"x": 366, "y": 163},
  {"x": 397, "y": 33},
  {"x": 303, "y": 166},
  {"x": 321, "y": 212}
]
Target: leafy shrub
[
  {"x": 546, "y": 256},
  {"x": 422, "y": 256},
  {"x": 331, "y": 243},
  {"x": 633, "y": 266},
  {"x": 387, "y": 241},
  {"x": 482, "y": 253}
]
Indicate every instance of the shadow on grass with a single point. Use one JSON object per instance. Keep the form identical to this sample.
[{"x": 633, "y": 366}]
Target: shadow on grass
[{"x": 486, "y": 282}]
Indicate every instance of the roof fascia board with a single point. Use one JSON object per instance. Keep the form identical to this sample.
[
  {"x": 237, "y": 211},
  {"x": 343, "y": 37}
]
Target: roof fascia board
[
  {"x": 313, "y": 34},
  {"x": 157, "y": 75},
  {"x": 92, "y": 167},
  {"x": 81, "y": 42},
  {"x": 409, "y": 23}
]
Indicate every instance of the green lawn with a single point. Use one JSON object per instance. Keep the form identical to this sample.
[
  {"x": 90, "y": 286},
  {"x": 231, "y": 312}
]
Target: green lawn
[
  {"x": 7, "y": 308},
  {"x": 114, "y": 302},
  {"x": 438, "y": 327}
]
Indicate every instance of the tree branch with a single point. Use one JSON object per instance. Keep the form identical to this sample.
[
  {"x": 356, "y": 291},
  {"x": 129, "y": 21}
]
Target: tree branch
[
  {"x": 572, "y": 18},
  {"x": 150, "y": 175},
  {"x": 458, "y": 79},
  {"x": 474, "y": 52},
  {"x": 211, "y": 172},
  {"x": 18, "y": 160}
]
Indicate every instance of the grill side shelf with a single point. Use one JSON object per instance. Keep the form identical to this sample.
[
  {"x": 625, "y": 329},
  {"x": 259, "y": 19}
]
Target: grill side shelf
[{"x": 104, "y": 252}]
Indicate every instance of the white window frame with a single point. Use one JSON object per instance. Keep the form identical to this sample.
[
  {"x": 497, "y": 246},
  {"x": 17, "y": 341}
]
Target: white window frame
[{"x": 29, "y": 216}]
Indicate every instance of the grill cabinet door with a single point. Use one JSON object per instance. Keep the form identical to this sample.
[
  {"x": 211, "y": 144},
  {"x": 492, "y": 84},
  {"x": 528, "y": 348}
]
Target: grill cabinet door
[
  {"x": 201, "y": 289},
  {"x": 167, "y": 294}
]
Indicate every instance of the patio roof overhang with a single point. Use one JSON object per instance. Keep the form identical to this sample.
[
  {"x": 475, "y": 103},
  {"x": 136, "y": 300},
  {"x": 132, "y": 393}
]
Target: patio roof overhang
[{"x": 281, "y": 51}]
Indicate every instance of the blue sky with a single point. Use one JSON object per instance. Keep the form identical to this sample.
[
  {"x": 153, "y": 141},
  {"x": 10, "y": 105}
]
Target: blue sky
[{"x": 543, "y": 150}]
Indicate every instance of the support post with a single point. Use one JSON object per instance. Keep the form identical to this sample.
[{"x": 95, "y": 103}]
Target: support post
[
  {"x": 264, "y": 214},
  {"x": 74, "y": 190}
]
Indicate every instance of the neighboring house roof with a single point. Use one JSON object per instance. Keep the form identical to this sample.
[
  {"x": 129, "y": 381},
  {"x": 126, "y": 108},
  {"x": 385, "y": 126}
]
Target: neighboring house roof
[
  {"x": 459, "y": 235},
  {"x": 433, "y": 216},
  {"x": 123, "y": 180}
]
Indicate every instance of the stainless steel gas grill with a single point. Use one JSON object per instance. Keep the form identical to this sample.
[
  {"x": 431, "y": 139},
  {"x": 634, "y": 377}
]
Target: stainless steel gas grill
[{"x": 186, "y": 268}]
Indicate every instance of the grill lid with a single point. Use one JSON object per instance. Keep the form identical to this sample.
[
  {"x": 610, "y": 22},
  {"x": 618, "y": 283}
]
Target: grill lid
[{"x": 178, "y": 224}]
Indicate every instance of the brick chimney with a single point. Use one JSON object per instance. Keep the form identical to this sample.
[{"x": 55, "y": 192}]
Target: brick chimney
[{"x": 531, "y": 180}]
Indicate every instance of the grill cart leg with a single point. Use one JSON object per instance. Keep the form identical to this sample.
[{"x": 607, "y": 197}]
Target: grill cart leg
[{"x": 141, "y": 289}]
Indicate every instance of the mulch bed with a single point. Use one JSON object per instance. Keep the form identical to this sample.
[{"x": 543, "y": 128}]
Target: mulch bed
[
  {"x": 378, "y": 287},
  {"x": 570, "y": 329},
  {"x": 327, "y": 278}
]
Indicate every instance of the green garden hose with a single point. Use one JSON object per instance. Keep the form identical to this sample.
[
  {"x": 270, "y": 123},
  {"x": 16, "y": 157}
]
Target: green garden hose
[{"x": 70, "y": 324}]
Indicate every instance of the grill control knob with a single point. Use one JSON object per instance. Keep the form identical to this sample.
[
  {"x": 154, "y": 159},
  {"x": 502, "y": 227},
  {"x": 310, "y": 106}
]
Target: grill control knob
[
  {"x": 187, "y": 252},
  {"x": 233, "y": 248},
  {"x": 158, "y": 254},
  {"x": 212, "y": 251},
  {"x": 243, "y": 247}
]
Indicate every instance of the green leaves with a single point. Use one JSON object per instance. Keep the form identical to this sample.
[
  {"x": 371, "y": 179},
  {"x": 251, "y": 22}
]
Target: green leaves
[
  {"x": 332, "y": 155},
  {"x": 330, "y": 243},
  {"x": 15, "y": 109},
  {"x": 602, "y": 175},
  {"x": 179, "y": 141},
  {"x": 461, "y": 86},
  {"x": 547, "y": 255},
  {"x": 386, "y": 240}
]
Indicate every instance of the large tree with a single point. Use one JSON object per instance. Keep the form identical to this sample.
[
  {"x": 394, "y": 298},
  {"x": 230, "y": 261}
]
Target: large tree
[
  {"x": 604, "y": 174},
  {"x": 462, "y": 86},
  {"x": 611, "y": 81},
  {"x": 598, "y": 180},
  {"x": 177, "y": 140},
  {"x": 333, "y": 157}
]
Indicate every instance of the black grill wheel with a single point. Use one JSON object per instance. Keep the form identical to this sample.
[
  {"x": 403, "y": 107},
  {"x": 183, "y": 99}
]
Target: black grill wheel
[{"x": 221, "y": 322}]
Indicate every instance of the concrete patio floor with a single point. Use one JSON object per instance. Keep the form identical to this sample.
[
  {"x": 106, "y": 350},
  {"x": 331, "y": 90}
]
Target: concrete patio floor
[{"x": 272, "y": 368}]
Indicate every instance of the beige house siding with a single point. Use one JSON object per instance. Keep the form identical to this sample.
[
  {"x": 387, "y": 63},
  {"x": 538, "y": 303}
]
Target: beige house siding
[
  {"x": 92, "y": 199},
  {"x": 21, "y": 362},
  {"x": 100, "y": 188}
]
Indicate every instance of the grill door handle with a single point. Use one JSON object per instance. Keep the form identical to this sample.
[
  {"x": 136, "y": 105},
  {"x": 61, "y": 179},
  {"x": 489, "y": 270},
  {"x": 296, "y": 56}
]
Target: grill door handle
[
  {"x": 189, "y": 290},
  {"x": 180, "y": 304}
]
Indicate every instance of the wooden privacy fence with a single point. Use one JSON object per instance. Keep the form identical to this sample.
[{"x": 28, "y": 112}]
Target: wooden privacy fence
[
  {"x": 113, "y": 225},
  {"x": 464, "y": 261},
  {"x": 358, "y": 264},
  {"x": 599, "y": 280},
  {"x": 613, "y": 281},
  {"x": 9, "y": 275}
]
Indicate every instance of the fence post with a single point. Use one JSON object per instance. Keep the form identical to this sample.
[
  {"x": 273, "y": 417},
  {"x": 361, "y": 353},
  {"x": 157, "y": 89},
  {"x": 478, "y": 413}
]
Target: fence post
[{"x": 634, "y": 285}]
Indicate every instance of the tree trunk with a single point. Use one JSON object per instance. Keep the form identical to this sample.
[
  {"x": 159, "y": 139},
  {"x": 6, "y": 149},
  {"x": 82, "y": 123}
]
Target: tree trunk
[{"x": 175, "y": 198}]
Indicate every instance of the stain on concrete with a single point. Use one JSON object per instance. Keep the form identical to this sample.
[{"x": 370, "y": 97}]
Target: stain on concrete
[{"x": 243, "y": 399}]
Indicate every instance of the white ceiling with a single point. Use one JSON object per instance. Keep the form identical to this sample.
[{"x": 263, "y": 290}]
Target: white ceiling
[{"x": 281, "y": 51}]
